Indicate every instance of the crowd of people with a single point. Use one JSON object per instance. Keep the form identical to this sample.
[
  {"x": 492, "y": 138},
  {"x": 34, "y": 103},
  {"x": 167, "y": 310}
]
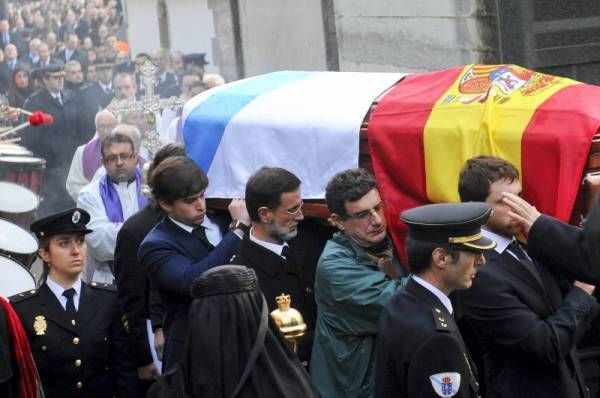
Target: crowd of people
[{"x": 147, "y": 292}]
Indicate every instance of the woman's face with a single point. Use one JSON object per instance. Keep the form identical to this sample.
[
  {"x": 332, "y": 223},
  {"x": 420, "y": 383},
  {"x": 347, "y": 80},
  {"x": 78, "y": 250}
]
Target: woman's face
[
  {"x": 65, "y": 254},
  {"x": 22, "y": 79}
]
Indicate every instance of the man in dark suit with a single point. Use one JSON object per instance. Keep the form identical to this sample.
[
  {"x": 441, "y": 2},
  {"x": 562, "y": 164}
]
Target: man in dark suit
[
  {"x": 97, "y": 95},
  {"x": 526, "y": 311},
  {"x": 71, "y": 52},
  {"x": 8, "y": 66},
  {"x": 420, "y": 351},
  {"x": 56, "y": 143},
  {"x": 167, "y": 84},
  {"x": 274, "y": 203},
  {"x": 46, "y": 59},
  {"x": 177, "y": 250},
  {"x": 5, "y": 36},
  {"x": 135, "y": 293}
]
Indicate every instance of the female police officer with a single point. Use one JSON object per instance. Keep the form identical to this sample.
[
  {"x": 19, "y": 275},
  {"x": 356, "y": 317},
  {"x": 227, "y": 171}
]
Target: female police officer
[{"x": 75, "y": 330}]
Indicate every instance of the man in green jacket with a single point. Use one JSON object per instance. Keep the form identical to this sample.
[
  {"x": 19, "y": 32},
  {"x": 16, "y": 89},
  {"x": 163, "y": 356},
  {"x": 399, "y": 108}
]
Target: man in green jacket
[{"x": 358, "y": 272}]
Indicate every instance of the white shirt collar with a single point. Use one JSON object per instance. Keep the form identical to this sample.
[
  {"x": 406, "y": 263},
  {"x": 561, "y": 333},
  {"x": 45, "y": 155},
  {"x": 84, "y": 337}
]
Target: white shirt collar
[
  {"x": 105, "y": 86},
  {"x": 207, "y": 224},
  {"x": 274, "y": 247},
  {"x": 437, "y": 292},
  {"x": 502, "y": 241},
  {"x": 58, "y": 291}
]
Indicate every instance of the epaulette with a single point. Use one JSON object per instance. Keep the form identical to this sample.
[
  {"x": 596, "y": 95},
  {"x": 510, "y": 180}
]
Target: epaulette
[
  {"x": 440, "y": 320},
  {"x": 104, "y": 286},
  {"x": 23, "y": 295}
]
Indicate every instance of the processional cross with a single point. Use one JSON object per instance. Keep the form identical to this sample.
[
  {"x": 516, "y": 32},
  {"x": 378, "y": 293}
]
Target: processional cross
[{"x": 149, "y": 104}]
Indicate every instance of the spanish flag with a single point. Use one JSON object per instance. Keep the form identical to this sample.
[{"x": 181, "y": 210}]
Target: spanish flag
[{"x": 428, "y": 125}]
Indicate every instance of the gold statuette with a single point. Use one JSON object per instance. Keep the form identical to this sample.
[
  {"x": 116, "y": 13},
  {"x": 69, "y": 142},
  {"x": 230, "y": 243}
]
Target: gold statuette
[
  {"x": 289, "y": 320},
  {"x": 40, "y": 325}
]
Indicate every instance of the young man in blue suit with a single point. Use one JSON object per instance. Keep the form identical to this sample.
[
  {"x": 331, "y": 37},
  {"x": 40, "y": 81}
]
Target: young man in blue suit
[{"x": 177, "y": 250}]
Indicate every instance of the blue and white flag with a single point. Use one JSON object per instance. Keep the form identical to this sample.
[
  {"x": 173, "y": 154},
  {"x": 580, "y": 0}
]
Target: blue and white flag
[{"x": 306, "y": 122}]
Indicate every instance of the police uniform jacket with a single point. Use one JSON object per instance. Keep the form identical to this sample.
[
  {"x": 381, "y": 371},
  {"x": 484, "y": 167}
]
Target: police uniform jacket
[
  {"x": 528, "y": 327},
  {"x": 85, "y": 358},
  {"x": 173, "y": 258},
  {"x": 419, "y": 349},
  {"x": 56, "y": 143}
]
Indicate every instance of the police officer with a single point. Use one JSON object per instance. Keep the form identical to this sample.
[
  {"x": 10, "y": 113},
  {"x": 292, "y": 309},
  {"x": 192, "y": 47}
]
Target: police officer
[
  {"x": 420, "y": 352},
  {"x": 76, "y": 333}
]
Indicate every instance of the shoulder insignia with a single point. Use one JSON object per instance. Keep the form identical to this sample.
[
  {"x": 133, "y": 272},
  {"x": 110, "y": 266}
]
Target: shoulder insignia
[
  {"x": 441, "y": 323},
  {"x": 445, "y": 384},
  {"x": 23, "y": 295},
  {"x": 104, "y": 286}
]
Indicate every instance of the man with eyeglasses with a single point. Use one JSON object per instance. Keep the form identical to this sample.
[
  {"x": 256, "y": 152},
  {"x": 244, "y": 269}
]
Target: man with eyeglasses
[
  {"x": 110, "y": 200},
  {"x": 358, "y": 272},
  {"x": 420, "y": 351},
  {"x": 274, "y": 203}
]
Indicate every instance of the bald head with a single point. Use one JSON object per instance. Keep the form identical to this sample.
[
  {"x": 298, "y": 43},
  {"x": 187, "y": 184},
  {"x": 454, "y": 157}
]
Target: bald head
[
  {"x": 132, "y": 132},
  {"x": 105, "y": 123}
]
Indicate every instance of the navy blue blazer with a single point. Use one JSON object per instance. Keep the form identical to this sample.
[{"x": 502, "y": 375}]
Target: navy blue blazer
[
  {"x": 173, "y": 259},
  {"x": 527, "y": 329}
]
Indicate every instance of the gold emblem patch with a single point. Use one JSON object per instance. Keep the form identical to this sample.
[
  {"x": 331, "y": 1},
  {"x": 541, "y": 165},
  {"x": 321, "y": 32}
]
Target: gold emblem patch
[{"x": 40, "y": 325}]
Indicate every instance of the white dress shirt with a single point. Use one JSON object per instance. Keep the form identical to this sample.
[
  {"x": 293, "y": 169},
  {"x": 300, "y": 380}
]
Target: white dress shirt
[
  {"x": 58, "y": 292},
  {"x": 274, "y": 247},
  {"x": 101, "y": 243},
  {"x": 437, "y": 292},
  {"x": 212, "y": 230}
]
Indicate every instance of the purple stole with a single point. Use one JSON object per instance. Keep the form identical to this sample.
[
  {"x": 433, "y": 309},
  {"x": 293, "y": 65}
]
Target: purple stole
[
  {"x": 92, "y": 159},
  {"x": 111, "y": 201}
]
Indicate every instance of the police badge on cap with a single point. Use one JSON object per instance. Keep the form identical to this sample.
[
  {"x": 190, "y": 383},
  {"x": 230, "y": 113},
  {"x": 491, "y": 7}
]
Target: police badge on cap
[{"x": 68, "y": 221}]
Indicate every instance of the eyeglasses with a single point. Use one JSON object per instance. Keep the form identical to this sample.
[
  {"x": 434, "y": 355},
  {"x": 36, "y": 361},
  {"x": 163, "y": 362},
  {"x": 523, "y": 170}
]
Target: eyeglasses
[
  {"x": 112, "y": 159},
  {"x": 294, "y": 211},
  {"x": 367, "y": 214}
]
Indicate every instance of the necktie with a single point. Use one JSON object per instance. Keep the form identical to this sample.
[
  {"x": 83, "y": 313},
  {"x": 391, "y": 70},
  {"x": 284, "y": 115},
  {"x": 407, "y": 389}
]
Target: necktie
[
  {"x": 515, "y": 248},
  {"x": 287, "y": 253},
  {"x": 69, "y": 293},
  {"x": 6, "y": 38},
  {"x": 200, "y": 233},
  {"x": 58, "y": 100}
]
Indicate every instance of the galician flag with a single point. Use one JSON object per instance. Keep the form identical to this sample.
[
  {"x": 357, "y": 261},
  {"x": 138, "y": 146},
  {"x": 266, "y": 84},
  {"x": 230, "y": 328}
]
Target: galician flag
[
  {"x": 306, "y": 122},
  {"x": 426, "y": 127}
]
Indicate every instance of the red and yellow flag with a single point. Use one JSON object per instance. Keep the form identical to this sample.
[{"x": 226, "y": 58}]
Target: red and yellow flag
[{"x": 423, "y": 131}]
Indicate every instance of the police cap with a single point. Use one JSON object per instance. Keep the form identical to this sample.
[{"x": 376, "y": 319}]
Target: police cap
[
  {"x": 67, "y": 221},
  {"x": 450, "y": 223},
  {"x": 195, "y": 58}
]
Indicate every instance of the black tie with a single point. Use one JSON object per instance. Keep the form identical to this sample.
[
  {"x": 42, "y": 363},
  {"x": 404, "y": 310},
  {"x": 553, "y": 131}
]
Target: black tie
[
  {"x": 287, "y": 253},
  {"x": 515, "y": 248},
  {"x": 70, "y": 302},
  {"x": 200, "y": 233}
]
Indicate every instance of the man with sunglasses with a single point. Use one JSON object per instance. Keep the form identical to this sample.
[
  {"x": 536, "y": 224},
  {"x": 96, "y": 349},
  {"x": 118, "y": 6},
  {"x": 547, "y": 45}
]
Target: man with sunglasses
[
  {"x": 358, "y": 272},
  {"x": 110, "y": 200},
  {"x": 274, "y": 203}
]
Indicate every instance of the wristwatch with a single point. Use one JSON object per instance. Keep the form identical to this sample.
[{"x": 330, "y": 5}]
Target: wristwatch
[{"x": 237, "y": 224}]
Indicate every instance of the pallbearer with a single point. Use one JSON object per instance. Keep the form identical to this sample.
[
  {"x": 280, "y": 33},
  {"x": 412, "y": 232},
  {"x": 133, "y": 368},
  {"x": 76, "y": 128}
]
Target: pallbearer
[
  {"x": 420, "y": 352},
  {"x": 77, "y": 336}
]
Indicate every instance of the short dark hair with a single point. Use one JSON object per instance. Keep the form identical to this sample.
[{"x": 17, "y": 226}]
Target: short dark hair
[
  {"x": 176, "y": 178},
  {"x": 116, "y": 138},
  {"x": 348, "y": 186},
  {"x": 265, "y": 188},
  {"x": 418, "y": 254},
  {"x": 479, "y": 173}
]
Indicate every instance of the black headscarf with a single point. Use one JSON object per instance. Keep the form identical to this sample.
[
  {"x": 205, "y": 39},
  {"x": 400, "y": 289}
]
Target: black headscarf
[{"x": 225, "y": 319}]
